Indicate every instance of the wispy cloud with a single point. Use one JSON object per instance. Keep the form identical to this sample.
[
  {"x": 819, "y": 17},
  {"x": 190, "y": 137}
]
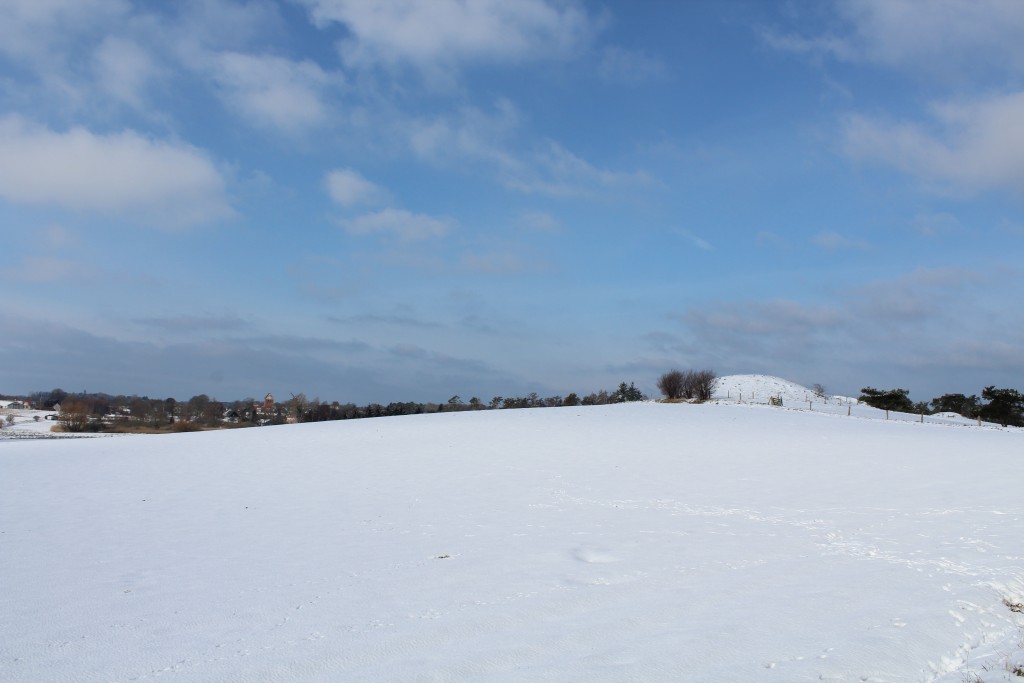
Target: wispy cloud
[
  {"x": 443, "y": 36},
  {"x": 767, "y": 238},
  {"x": 124, "y": 70},
  {"x": 45, "y": 269},
  {"x": 51, "y": 354},
  {"x": 934, "y": 224},
  {"x": 348, "y": 188},
  {"x": 472, "y": 133},
  {"x": 36, "y": 33},
  {"x": 882, "y": 332},
  {"x": 496, "y": 262},
  {"x": 833, "y": 241},
  {"x": 58, "y": 237},
  {"x": 273, "y": 92},
  {"x": 938, "y": 37},
  {"x": 556, "y": 171},
  {"x": 540, "y": 221},
  {"x": 695, "y": 240},
  {"x": 398, "y": 320},
  {"x": 188, "y": 324},
  {"x": 629, "y": 67},
  {"x": 399, "y": 223},
  {"x": 969, "y": 147},
  {"x": 492, "y": 139}
]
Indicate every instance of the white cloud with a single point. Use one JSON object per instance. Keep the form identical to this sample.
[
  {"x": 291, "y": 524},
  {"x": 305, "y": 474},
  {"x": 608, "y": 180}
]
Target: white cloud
[
  {"x": 39, "y": 30},
  {"x": 973, "y": 146},
  {"x": 47, "y": 40},
  {"x": 403, "y": 224},
  {"x": 273, "y": 92},
  {"x": 938, "y": 36},
  {"x": 82, "y": 56},
  {"x": 124, "y": 70},
  {"x": 347, "y": 188},
  {"x": 471, "y": 133},
  {"x": 445, "y": 33},
  {"x": 619, "y": 65},
  {"x": 160, "y": 183},
  {"x": 204, "y": 25}
]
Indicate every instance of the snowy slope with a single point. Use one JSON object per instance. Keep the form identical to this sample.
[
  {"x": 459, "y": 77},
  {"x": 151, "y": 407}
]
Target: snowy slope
[
  {"x": 25, "y": 426},
  {"x": 757, "y": 389},
  {"x": 644, "y": 542}
]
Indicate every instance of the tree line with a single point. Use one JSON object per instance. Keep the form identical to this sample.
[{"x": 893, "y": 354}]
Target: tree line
[
  {"x": 1004, "y": 406},
  {"x": 316, "y": 410},
  {"x": 94, "y": 412}
]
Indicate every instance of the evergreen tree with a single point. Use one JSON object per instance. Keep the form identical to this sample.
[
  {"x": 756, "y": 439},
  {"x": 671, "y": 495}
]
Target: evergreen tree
[
  {"x": 887, "y": 399},
  {"x": 1005, "y": 406},
  {"x": 625, "y": 394},
  {"x": 956, "y": 403}
]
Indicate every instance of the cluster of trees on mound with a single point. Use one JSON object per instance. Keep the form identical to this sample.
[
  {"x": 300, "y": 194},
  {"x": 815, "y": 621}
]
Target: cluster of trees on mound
[
  {"x": 693, "y": 385},
  {"x": 1005, "y": 406}
]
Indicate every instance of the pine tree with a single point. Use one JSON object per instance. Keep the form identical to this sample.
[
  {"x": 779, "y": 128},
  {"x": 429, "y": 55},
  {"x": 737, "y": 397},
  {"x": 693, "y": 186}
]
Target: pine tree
[
  {"x": 888, "y": 399},
  {"x": 1005, "y": 406}
]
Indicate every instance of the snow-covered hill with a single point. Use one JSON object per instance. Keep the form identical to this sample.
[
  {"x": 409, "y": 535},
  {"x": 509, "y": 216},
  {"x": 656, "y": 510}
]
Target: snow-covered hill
[
  {"x": 758, "y": 388},
  {"x": 646, "y": 542}
]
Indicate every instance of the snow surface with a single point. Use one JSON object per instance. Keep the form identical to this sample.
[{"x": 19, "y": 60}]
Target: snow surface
[
  {"x": 757, "y": 389},
  {"x": 634, "y": 542},
  {"x": 27, "y": 427}
]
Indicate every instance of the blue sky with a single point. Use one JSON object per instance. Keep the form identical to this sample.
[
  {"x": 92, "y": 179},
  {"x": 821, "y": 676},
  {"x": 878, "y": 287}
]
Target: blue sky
[{"x": 399, "y": 200}]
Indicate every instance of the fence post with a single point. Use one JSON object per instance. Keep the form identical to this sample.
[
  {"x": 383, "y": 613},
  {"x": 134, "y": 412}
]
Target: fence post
[
  {"x": 886, "y": 413},
  {"x": 847, "y": 410}
]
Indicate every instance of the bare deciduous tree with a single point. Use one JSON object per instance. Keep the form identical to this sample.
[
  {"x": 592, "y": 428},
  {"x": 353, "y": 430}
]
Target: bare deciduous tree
[
  {"x": 703, "y": 384},
  {"x": 74, "y": 415},
  {"x": 695, "y": 385},
  {"x": 672, "y": 384}
]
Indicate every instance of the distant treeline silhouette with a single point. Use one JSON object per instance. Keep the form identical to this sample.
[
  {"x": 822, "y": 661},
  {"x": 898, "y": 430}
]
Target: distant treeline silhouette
[{"x": 85, "y": 411}]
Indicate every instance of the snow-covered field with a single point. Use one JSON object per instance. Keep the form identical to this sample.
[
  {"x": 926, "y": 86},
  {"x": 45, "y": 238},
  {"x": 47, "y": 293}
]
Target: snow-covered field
[
  {"x": 635, "y": 542},
  {"x": 26, "y": 426}
]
